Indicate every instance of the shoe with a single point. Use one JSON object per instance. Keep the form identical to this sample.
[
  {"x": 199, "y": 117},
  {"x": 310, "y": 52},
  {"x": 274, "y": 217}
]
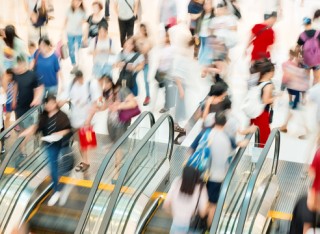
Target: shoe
[
  {"x": 63, "y": 199},
  {"x": 179, "y": 129},
  {"x": 82, "y": 167},
  {"x": 3, "y": 150},
  {"x": 146, "y": 101},
  {"x": 54, "y": 199},
  {"x": 74, "y": 70},
  {"x": 163, "y": 110}
]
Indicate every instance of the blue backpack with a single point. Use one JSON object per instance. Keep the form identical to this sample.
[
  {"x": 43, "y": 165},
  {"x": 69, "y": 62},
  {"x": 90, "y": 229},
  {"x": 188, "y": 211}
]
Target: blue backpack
[{"x": 201, "y": 158}]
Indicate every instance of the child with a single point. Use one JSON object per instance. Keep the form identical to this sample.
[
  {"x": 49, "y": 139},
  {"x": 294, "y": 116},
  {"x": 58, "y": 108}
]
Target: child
[
  {"x": 9, "y": 92},
  {"x": 295, "y": 79}
]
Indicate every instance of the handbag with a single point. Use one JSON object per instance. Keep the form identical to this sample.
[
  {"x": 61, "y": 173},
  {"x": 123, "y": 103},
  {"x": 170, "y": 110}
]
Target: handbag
[
  {"x": 197, "y": 223},
  {"x": 87, "y": 138},
  {"x": 127, "y": 77},
  {"x": 126, "y": 115},
  {"x": 160, "y": 77}
]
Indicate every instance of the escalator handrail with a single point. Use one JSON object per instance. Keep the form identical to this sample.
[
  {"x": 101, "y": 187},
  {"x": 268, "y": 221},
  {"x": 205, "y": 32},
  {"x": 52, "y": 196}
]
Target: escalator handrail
[
  {"x": 131, "y": 157},
  {"x": 18, "y": 121},
  {"x": 104, "y": 164},
  {"x": 10, "y": 154},
  {"x": 274, "y": 137},
  {"x": 227, "y": 181}
]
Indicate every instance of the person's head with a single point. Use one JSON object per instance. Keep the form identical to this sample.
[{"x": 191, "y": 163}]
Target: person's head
[
  {"x": 190, "y": 178},
  {"x": 77, "y": 4},
  {"x": 50, "y": 103},
  {"x": 10, "y": 34},
  {"x": 21, "y": 64},
  {"x": 266, "y": 70},
  {"x": 130, "y": 45},
  {"x": 270, "y": 18},
  {"x": 316, "y": 15},
  {"x": 78, "y": 77},
  {"x": 221, "y": 9},
  {"x": 45, "y": 45},
  {"x": 219, "y": 91},
  {"x": 106, "y": 82},
  {"x": 307, "y": 22},
  {"x": 103, "y": 30},
  {"x": 220, "y": 119},
  {"x": 9, "y": 74},
  {"x": 32, "y": 47},
  {"x": 143, "y": 30},
  {"x": 97, "y": 7}
]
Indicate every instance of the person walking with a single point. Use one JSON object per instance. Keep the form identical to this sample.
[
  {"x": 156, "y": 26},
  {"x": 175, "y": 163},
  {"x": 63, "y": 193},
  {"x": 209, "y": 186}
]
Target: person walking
[
  {"x": 127, "y": 11},
  {"x": 75, "y": 18}
]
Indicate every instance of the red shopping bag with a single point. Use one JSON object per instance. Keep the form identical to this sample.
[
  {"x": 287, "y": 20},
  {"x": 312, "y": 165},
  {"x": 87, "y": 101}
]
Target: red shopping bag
[{"x": 87, "y": 138}]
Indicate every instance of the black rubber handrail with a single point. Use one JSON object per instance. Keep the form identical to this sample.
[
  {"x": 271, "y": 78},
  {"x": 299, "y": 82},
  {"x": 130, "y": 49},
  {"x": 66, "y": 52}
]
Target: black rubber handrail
[
  {"x": 123, "y": 173},
  {"x": 103, "y": 167},
  {"x": 10, "y": 154},
  {"x": 274, "y": 137},
  {"x": 227, "y": 181}
]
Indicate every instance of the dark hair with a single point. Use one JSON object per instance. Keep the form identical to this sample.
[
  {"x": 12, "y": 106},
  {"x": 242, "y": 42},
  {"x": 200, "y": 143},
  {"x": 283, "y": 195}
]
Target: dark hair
[
  {"x": 32, "y": 44},
  {"x": 81, "y": 7},
  {"x": 268, "y": 16},
  {"x": 10, "y": 33},
  {"x": 9, "y": 71},
  {"x": 135, "y": 47},
  {"x": 220, "y": 118},
  {"x": 316, "y": 14},
  {"x": 227, "y": 103},
  {"x": 45, "y": 40},
  {"x": 99, "y": 4},
  {"x": 145, "y": 28},
  {"x": 50, "y": 97},
  {"x": 190, "y": 178},
  {"x": 21, "y": 59},
  {"x": 265, "y": 68},
  {"x": 103, "y": 24},
  {"x": 218, "y": 89}
]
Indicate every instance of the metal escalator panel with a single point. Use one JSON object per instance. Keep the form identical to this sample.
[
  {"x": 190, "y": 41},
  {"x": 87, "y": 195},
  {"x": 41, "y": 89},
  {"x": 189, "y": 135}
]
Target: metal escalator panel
[
  {"x": 262, "y": 189},
  {"x": 145, "y": 170},
  {"x": 233, "y": 188},
  {"x": 108, "y": 173}
]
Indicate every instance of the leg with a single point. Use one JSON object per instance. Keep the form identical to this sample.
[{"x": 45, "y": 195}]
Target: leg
[
  {"x": 296, "y": 99},
  {"x": 107, "y": 9},
  {"x": 146, "y": 83},
  {"x": 122, "y": 28},
  {"x": 316, "y": 75},
  {"x": 53, "y": 153},
  {"x": 211, "y": 211},
  {"x": 71, "y": 42},
  {"x": 130, "y": 27},
  {"x": 78, "y": 41}
]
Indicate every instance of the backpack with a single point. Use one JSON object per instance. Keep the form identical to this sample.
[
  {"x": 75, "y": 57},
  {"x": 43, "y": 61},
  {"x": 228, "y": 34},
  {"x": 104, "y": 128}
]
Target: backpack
[
  {"x": 201, "y": 158},
  {"x": 311, "y": 49},
  {"x": 253, "y": 105},
  {"x": 89, "y": 92}
]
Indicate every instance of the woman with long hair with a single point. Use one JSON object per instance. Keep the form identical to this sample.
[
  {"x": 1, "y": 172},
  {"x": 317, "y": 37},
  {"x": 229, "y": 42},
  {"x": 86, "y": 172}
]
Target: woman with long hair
[
  {"x": 76, "y": 17},
  {"x": 186, "y": 197},
  {"x": 144, "y": 46},
  {"x": 263, "y": 120},
  {"x": 316, "y": 20}
]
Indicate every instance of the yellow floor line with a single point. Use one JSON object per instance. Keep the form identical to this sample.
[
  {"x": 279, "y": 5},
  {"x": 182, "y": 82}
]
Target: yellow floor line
[{"x": 279, "y": 215}]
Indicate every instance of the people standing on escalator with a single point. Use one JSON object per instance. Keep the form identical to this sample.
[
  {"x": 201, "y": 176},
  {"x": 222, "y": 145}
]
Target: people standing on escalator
[
  {"x": 144, "y": 46},
  {"x": 187, "y": 197},
  {"x": 220, "y": 149},
  {"x": 82, "y": 96},
  {"x": 55, "y": 124}
]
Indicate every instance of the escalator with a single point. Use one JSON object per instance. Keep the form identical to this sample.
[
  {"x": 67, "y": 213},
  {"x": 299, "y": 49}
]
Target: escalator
[{"x": 25, "y": 190}]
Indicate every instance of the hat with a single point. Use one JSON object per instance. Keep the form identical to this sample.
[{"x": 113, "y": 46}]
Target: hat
[
  {"x": 209, "y": 120},
  {"x": 306, "y": 21},
  {"x": 49, "y": 97}
]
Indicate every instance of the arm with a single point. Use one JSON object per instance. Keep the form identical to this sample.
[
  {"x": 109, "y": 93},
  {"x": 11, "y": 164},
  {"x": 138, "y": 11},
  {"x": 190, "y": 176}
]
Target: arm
[
  {"x": 129, "y": 103},
  {"x": 195, "y": 16},
  {"x": 37, "y": 96},
  {"x": 180, "y": 87},
  {"x": 136, "y": 7},
  {"x": 115, "y": 6},
  {"x": 267, "y": 97},
  {"x": 29, "y": 131},
  {"x": 207, "y": 108},
  {"x": 14, "y": 96}
]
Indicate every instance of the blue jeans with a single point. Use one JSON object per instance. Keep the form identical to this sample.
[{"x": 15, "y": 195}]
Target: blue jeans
[
  {"x": 145, "y": 75},
  {"x": 202, "y": 51},
  {"x": 99, "y": 70},
  {"x": 296, "y": 99},
  {"x": 53, "y": 151},
  {"x": 134, "y": 89},
  {"x": 72, "y": 41}
]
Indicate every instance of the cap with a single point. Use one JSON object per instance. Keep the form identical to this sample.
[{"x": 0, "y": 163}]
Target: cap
[{"x": 306, "y": 21}]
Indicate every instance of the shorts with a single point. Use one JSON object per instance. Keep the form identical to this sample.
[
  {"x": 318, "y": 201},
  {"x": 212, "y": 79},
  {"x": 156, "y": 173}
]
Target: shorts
[
  {"x": 315, "y": 68},
  {"x": 9, "y": 107},
  {"x": 213, "y": 191}
]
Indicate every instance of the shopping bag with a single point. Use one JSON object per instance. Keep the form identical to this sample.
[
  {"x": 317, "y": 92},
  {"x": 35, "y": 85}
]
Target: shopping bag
[
  {"x": 126, "y": 115},
  {"x": 87, "y": 138},
  {"x": 281, "y": 110}
]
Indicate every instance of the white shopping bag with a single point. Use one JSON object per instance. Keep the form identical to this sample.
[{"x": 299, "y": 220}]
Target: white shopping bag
[{"x": 281, "y": 110}]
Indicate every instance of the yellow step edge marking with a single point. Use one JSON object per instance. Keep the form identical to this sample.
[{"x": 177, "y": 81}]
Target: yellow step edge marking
[
  {"x": 279, "y": 215},
  {"x": 9, "y": 170}
]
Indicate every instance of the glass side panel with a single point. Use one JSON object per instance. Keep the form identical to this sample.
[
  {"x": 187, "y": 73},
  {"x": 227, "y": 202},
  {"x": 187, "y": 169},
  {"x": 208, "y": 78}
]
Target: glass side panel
[
  {"x": 145, "y": 165},
  {"x": 111, "y": 174}
]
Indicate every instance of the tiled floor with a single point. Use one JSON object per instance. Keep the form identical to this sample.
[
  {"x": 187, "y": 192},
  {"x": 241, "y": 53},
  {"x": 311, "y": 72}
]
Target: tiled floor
[{"x": 287, "y": 29}]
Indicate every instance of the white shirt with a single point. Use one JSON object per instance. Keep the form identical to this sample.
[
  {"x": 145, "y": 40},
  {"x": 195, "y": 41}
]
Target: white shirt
[
  {"x": 166, "y": 58},
  {"x": 105, "y": 45},
  {"x": 183, "y": 206},
  {"x": 204, "y": 30},
  {"x": 74, "y": 22},
  {"x": 221, "y": 150},
  {"x": 124, "y": 11},
  {"x": 80, "y": 104},
  {"x": 314, "y": 95}
]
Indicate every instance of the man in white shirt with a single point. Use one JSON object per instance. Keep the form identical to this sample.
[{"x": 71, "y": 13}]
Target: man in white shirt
[
  {"x": 127, "y": 11},
  {"x": 220, "y": 147}
]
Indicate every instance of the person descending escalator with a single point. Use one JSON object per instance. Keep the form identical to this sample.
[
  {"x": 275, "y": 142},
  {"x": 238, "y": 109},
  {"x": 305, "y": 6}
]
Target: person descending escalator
[
  {"x": 186, "y": 200},
  {"x": 56, "y": 130}
]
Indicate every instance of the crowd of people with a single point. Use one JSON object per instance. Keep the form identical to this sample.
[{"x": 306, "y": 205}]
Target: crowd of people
[{"x": 31, "y": 75}]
